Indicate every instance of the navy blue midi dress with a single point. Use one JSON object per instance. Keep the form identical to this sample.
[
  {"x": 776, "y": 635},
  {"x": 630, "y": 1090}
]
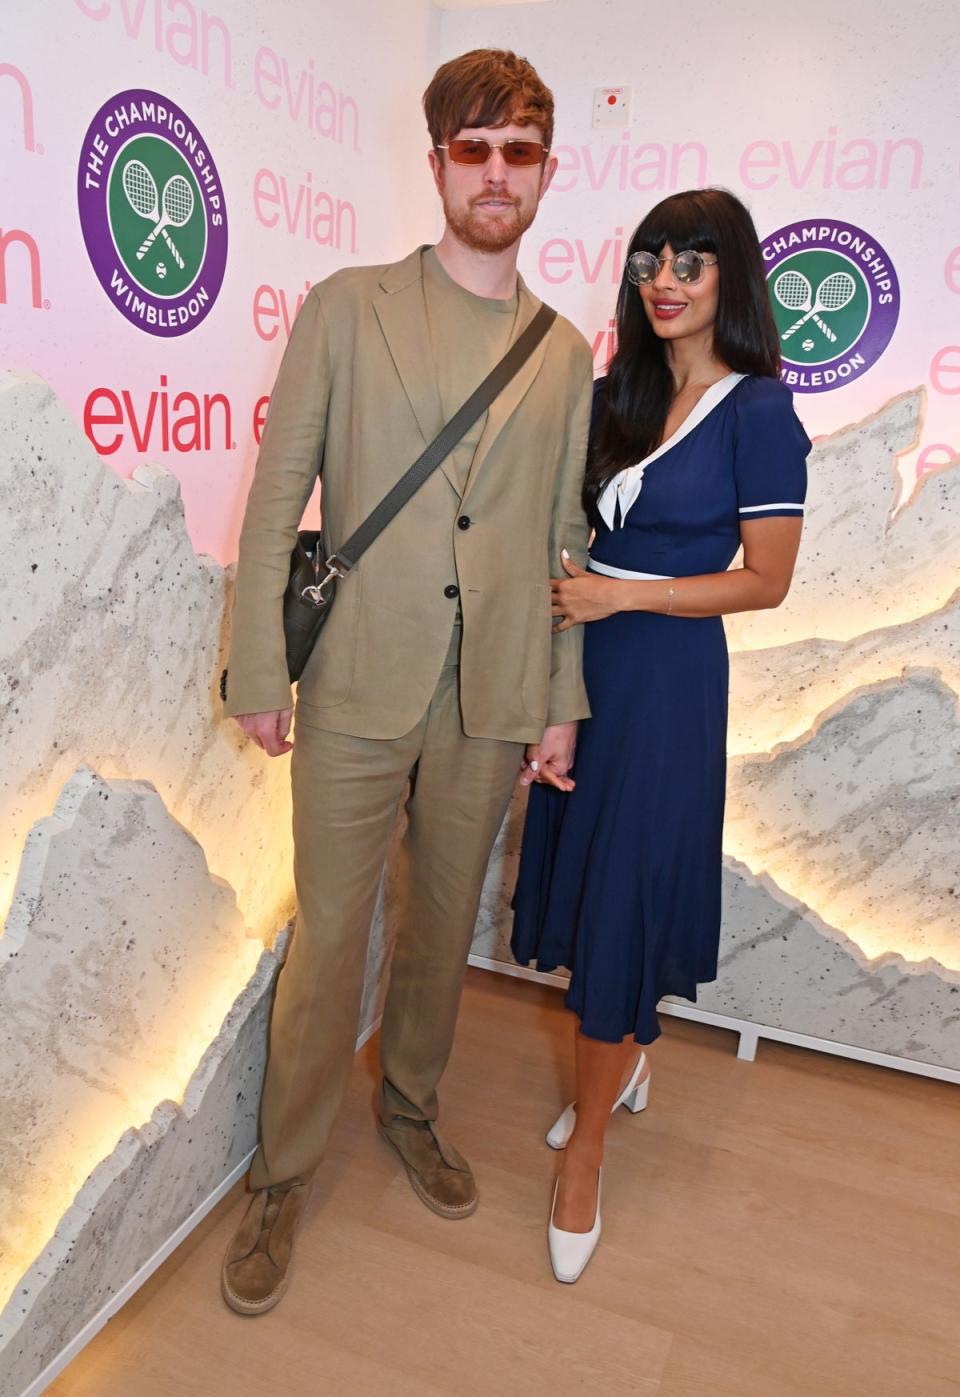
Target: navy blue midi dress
[{"x": 619, "y": 880}]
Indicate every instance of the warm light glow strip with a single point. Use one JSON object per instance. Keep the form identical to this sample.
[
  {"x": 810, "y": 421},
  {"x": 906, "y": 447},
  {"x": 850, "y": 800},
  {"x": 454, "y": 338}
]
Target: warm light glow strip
[
  {"x": 895, "y": 937},
  {"x": 872, "y": 941}
]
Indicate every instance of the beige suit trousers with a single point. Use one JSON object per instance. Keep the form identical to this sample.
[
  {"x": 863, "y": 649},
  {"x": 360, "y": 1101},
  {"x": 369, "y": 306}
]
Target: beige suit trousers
[{"x": 346, "y": 796}]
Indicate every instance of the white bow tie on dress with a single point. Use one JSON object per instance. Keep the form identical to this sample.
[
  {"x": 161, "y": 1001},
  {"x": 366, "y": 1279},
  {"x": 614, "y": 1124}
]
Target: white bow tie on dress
[{"x": 627, "y": 484}]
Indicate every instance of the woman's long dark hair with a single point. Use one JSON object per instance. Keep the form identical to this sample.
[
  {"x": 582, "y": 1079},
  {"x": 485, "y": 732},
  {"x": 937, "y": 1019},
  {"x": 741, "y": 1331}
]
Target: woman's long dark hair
[{"x": 639, "y": 390}]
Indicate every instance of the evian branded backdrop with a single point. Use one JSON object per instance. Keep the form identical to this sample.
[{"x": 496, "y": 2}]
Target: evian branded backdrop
[
  {"x": 280, "y": 142},
  {"x": 174, "y": 177},
  {"x": 824, "y": 117}
]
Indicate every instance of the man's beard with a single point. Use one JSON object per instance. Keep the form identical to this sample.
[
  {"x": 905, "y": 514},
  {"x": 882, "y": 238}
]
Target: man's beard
[{"x": 486, "y": 234}]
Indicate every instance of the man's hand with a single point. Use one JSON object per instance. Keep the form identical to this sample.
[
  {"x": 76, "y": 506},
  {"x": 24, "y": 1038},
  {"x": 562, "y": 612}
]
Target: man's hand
[
  {"x": 268, "y": 730},
  {"x": 550, "y": 759}
]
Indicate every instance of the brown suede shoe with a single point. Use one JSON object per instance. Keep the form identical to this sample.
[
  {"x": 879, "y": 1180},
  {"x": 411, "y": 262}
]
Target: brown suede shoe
[
  {"x": 440, "y": 1175},
  {"x": 254, "y": 1275}
]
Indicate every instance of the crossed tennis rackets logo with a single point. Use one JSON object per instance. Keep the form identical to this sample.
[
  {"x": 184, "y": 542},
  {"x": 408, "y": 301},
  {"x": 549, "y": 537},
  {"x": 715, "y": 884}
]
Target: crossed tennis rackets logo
[
  {"x": 173, "y": 210},
  {"x": 794, "y": 292},
  {"x": 835, "y": 299},
  {"x": 153, "y": 212}
]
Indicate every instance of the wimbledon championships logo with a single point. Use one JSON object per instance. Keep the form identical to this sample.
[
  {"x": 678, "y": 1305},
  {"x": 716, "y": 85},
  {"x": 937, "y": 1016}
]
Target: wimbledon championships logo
[
  {"x": 152, "y": 213},
  {"x": 835, "y": 299}
]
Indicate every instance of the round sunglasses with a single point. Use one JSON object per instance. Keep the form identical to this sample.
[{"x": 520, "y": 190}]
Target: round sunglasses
[
  {"x": 643, "y": 268},
  {"x": 473, "y": 150}
]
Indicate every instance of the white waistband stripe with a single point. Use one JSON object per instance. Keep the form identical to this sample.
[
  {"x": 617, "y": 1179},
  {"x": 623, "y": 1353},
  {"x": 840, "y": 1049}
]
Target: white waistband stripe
[{"x": 609, "y": 570}]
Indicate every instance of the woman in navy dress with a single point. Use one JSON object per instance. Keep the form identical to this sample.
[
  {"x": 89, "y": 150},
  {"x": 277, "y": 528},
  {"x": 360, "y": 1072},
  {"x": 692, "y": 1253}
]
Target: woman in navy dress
[{"x": 695, "y": 450}]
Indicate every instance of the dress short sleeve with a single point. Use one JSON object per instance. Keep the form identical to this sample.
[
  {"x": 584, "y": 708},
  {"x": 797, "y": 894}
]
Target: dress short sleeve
[{"x": 770, "y": 451}]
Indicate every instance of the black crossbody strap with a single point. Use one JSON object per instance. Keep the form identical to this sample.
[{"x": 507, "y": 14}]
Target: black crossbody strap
[{"x": 516, "y": 356}]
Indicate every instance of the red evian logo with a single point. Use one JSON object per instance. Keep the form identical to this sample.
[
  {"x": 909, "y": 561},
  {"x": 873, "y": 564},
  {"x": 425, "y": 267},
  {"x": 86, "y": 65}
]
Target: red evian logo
[{"x": 160, "y": 420}]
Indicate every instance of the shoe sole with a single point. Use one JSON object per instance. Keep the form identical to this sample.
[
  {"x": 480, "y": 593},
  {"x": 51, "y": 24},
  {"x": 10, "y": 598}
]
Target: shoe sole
[
  {"x": 251, "y": 1307},
  {"x": 443, "y": 1210}
]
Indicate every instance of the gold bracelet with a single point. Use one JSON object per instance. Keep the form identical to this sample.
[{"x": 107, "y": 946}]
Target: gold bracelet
[{"x": 670, "y": 599}]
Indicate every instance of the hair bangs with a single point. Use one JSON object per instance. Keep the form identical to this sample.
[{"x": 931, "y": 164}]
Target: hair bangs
[{"x": 683, "y": 222}]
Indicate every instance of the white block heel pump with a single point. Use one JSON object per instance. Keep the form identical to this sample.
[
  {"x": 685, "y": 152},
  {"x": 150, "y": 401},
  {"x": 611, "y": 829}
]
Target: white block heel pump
[
  {"x": 570, "y": 1251},
  {"x": 634, "y": 1096}
]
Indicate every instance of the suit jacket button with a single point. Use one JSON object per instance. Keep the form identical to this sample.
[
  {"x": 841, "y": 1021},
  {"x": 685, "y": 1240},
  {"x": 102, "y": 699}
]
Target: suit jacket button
[
  {"x": 451, "y": 591},
  {"x": 464, "y": 521}
]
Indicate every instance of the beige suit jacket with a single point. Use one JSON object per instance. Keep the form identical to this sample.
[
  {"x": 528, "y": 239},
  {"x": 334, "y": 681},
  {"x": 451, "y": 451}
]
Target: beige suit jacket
[{"x": 356, "y": 398}]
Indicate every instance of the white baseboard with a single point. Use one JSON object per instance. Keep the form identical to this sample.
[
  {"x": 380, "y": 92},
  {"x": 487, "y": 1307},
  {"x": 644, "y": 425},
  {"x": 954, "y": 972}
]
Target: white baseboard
[{"x": 749, "y": 1033}]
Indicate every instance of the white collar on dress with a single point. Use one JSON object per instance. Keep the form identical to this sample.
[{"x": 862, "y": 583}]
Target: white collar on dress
[{"x": 627, "y": 484}]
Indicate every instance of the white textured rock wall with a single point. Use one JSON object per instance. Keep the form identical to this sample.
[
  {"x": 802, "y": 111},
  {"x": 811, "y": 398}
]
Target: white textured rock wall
[
  {"x": 859, "y": 818},
  {"x": 862, "y": 566},
  {"x": 142, "y": 910},
  {"x": 842, "y": 875},
  {"x": 110, "y": 648},
  {"x": 777, "y": 694}
]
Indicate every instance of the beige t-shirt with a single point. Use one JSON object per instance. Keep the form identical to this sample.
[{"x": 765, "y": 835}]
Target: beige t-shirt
[{"x": 469, "y": 334}]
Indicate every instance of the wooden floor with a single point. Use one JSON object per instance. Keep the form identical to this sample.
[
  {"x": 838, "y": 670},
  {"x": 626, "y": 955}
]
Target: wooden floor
[{"x": 783, "y": 1228}]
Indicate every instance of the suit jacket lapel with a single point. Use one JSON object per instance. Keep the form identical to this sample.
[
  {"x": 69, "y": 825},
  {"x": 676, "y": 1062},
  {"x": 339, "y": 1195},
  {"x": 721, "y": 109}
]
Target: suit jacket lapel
[
  {"x": 403, "y": 320},
  {"x": 503, "y": 407}
]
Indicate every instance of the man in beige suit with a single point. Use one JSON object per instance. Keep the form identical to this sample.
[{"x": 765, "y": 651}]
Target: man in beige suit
[{"x": 438, "y": 665}]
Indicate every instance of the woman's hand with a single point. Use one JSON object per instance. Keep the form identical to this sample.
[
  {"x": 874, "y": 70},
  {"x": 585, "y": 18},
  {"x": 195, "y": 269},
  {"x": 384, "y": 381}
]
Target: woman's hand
[{"x": 580, "y": 596}]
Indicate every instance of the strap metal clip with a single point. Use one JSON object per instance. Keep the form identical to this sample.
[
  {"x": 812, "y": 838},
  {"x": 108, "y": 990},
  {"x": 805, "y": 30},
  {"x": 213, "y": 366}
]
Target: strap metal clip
[{"x": 335, "y": 568}]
